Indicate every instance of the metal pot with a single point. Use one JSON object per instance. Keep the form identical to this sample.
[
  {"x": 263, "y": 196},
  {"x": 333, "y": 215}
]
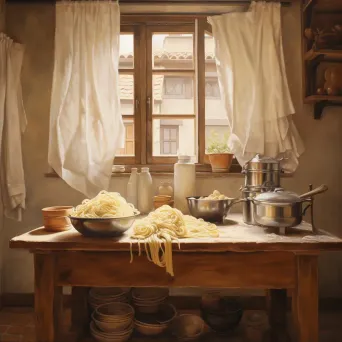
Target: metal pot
[
  {"x": 281, "y": 208},
  {"x": 262, "y": 172},
  {"x": 248, "y": 206}
]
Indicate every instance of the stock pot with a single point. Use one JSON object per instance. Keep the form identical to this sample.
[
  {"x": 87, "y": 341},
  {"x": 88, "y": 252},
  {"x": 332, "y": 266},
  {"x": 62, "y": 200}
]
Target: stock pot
[{"x": 281, "y": 208}]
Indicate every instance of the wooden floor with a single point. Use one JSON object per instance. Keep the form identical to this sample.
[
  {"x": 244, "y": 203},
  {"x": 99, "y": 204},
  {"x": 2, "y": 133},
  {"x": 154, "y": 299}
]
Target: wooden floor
[{"x": 17, "y": 325}]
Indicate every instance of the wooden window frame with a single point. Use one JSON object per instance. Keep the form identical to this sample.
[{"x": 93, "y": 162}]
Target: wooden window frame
[{"x": 143, "y": 26}]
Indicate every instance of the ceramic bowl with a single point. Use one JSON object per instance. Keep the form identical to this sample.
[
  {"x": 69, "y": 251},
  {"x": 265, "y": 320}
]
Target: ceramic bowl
[
  {"x": 225, "y": 318},
  {"x": 187, "y": 327},
  {"x": 156, "y": 323},
  {"x": 110, "y": 337},
  {"x": 113, "y": 326},
  {"x": 114, "y": 312}
]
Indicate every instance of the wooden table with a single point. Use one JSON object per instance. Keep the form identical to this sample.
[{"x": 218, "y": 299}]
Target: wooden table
[{"x": 242, "y": 257}]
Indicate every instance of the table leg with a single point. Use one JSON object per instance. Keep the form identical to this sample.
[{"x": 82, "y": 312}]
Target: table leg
[
  {"x": 80, "y": 315},
  {"x": 48, "y": 299},
  {"x": 306, "y": 300},
  {"x": 277, "y": 307}
]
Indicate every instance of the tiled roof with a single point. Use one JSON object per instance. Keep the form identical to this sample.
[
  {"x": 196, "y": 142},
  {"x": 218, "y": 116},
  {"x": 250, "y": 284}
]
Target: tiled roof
[
  {"x": 126, "y": 87},
  {"x": 162, "y": 55}
]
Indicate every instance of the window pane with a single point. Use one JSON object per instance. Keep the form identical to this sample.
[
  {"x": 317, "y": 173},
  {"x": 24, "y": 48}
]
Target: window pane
[
  {"x": 126, "y": 60},
  {"x": 173, "y": 94},
  {"x": 173, "y": 136},
  {"x": 216, "y": 123},
  {"x": 172, "y": 51},
  {"x": 128, "y": 150},
  {"x": 126, "y": 85}
]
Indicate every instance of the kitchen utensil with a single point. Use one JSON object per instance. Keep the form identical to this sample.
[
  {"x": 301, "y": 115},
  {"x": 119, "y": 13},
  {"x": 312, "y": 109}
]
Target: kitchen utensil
[
  {"x": 282, "y": 208},
  {"x": 148, "y": 300},
  {"x": 56, "y": 219},
  {"x": 262, "y": 172},
  {"x": 210, "y": 210},
  {"x": 225, "y": 318},
  {"x": 248, "y": 205},
  {"x": 187, "y": 327},
  {"x": 157, "y": 323},
  {"x": 102, "y": 227},
  {"x": 101, "y": 336}
]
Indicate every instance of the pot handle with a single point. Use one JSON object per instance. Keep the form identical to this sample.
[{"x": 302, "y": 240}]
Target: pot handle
[{"x": 319, "y": 190}]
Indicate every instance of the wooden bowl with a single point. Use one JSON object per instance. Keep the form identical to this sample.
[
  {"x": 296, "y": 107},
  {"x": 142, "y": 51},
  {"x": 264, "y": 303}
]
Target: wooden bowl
[
  {"x": 56, "y": 219},
  {"x": 148, "y": 294},
  {"x": 110, "y": 337}
]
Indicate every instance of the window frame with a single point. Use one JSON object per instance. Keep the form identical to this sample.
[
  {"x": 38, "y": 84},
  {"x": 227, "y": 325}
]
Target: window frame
[{"x": 143, "y": 26}]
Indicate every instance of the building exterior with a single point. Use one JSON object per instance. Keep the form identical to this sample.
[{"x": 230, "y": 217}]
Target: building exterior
[{"x": 175, "y": 95}]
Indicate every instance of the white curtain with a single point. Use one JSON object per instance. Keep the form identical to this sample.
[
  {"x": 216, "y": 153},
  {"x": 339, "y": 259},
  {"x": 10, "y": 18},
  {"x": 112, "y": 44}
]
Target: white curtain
[
  {"x": 12, "y": 124},
  {"x": 86, "y": 126},
  {"x": 253, "y": 84}
]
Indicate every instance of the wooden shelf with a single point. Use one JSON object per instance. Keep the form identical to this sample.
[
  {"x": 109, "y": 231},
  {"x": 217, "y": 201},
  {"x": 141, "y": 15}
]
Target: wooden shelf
[
  {"x": 326, "y": 54},
  {"x": 322, "y": 101},
  {"x": 318, "y": 98}
]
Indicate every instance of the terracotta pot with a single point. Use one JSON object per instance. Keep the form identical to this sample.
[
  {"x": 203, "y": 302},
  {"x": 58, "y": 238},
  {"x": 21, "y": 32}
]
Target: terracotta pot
[{"x": 221, "y": 162}]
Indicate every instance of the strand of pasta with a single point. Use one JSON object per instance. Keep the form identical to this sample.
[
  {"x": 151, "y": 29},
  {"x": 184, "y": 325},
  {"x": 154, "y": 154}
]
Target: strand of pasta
[
  {"x": 163, "y": 226},
  {"x": 105, "y": 204}
]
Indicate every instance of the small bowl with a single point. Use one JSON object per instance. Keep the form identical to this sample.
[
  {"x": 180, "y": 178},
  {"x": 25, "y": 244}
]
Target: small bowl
[
  {"x": 103, "y": 227},
  {"x": 56, "y": 219},
  {"x": 210, "y": 210},
  {"x": 224, "y": 318},
  {"x": 114, "y": 312},
  {"x": 119, "y": 326},
  {"x": 187, "y": 327},
  {"x": 110, "y": 337},
  {"x": 156, "y": 323},
  {"x": 148, "y": 294}
]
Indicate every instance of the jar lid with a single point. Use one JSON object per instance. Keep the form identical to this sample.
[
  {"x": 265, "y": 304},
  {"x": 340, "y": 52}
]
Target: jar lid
[
  {"x": 184, "y": 159},
  {"x": 259, "y": 163},
  {"x": 278, "y": 196}
]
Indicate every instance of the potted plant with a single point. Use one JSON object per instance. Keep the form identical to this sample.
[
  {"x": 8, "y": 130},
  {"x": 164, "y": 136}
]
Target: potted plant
[{"x": 219, "y": 154}]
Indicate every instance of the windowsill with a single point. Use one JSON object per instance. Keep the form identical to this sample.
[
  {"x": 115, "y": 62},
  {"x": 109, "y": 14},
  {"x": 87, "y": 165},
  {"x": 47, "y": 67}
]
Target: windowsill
[{"x": 199, "y": 174}]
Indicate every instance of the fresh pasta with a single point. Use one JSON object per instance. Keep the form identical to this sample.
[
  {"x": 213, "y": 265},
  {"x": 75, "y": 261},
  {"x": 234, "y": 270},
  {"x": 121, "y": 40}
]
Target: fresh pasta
[
  {"x": 105, "y": 204},
  {"x": 216, "y": 195},
  {"x": 164, "y": 225}
]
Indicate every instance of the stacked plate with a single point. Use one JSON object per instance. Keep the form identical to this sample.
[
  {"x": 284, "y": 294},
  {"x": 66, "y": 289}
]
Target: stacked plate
[
  {"x": 112, "y": 322},
  {"x": 148, "y": 300},
  {"x": 104, "y": 295}
]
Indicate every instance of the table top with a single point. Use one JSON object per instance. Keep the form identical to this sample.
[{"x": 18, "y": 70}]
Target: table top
[{"x": 235, "y": 236}]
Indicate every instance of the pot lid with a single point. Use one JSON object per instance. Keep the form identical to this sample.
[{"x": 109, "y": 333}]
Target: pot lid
[
  {"x": 263, "y": 163},
  {"x": 278, "y": 196}
]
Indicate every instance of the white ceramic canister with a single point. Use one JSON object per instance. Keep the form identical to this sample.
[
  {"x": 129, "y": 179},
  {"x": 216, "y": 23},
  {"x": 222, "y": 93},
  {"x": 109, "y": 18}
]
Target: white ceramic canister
[
  {"x": 132, "y": 188},
  {"x": 145, "y": 191},
  {"x": 184, "y": 182}
]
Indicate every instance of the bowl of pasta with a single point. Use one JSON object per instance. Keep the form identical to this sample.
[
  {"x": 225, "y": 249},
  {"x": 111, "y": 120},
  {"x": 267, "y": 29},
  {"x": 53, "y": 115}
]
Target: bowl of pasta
[
  {"x": 106, "y": 215},
  {"x": 212, "y": 208}
]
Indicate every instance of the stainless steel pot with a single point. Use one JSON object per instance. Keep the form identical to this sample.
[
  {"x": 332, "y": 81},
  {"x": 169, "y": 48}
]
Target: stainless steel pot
[
  {"x": 281, "y": 208},
  {"x": 262, "y": 172},
  {"x": 248, "y": 205}
]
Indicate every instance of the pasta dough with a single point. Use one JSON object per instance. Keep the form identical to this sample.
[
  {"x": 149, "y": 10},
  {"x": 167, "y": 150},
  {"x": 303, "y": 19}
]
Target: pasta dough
[
  {"x": 216, "y": 195},
  {"x": 165, "y": 225},
  {"x": 105, "y": 204}
]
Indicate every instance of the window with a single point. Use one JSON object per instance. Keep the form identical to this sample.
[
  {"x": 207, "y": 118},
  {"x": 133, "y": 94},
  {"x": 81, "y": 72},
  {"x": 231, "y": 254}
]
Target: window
[
  {"x": 169, "y": 92},
  {"x": 128, "y": 150},
  {"x": 168, "y": 140}
]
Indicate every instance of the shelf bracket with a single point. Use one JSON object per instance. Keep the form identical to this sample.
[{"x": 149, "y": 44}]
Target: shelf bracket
[{"x": 319, "y": 108}]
